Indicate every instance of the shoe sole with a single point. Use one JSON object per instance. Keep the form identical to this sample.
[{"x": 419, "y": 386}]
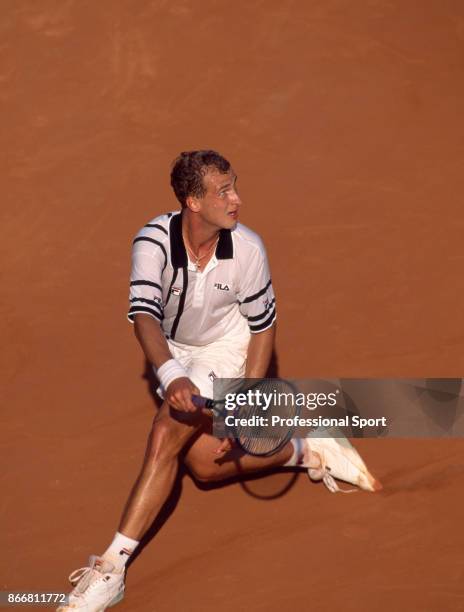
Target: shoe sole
[
  {"x": 116, "y": 600},
  {"x": 112, "y": 603},
  {"x": 366, "y": 480}
]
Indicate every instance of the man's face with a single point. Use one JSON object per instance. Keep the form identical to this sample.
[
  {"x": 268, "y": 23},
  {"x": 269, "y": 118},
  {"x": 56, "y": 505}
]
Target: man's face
[{"x": 220, "y": 204}]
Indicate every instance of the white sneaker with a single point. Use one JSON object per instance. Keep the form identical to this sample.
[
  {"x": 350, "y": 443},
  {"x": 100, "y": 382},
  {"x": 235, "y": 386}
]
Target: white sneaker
[
  {"x": 96, "y": 587},
  {"x": 339, "y": 460}
]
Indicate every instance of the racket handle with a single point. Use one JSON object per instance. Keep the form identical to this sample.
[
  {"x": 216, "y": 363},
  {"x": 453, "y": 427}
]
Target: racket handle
[
  {"x": 202, "y": 402},
  {"x": 198, "y": 401}
]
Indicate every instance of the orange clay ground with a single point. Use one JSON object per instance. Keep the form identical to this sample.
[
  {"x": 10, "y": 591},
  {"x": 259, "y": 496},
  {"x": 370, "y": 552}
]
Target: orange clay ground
[{"x": 344, "y": 122}]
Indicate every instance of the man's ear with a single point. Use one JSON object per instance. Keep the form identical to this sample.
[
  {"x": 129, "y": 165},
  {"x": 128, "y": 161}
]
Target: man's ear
[{"x": 193, "y": 203}]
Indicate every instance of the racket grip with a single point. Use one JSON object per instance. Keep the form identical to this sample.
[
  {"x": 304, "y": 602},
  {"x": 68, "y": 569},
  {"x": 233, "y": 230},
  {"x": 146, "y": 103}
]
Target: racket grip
[
  {"x": 202, "y": 402},
  {"x": 198, "y": 401}
]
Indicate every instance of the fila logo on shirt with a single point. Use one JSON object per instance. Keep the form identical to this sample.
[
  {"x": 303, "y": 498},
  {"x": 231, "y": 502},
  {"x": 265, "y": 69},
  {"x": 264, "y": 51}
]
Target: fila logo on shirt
[
  {"x": 221, "y": 287},
  {"x": 176, "y": 291}
]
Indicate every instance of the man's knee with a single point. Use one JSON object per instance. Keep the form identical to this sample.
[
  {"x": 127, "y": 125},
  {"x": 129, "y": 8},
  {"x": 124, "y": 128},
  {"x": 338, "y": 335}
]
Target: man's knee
[
  {"x": 201, "y": 470},
  {"x": 167, "y": 437}
]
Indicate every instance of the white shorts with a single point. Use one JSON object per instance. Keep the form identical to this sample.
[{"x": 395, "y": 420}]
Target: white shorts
[{"x": 225, "y": 358}]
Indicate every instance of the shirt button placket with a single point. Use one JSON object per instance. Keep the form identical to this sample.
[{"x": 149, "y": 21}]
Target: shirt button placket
[{"x": 198, "y": 293}]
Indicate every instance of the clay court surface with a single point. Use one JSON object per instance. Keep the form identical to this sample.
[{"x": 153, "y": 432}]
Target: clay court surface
[{"x": 344, "y": 122}]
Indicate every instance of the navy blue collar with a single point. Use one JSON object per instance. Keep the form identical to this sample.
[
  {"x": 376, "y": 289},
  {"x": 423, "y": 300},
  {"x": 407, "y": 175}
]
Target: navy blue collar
[{"x": 224, "y": 248}]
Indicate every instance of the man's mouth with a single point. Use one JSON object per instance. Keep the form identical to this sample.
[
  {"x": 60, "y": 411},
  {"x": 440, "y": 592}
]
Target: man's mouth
[{"x": 233, "y": 214}]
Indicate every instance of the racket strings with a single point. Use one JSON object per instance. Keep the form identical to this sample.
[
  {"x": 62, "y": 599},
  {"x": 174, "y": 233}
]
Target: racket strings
[{"x": 257, "y": 432}]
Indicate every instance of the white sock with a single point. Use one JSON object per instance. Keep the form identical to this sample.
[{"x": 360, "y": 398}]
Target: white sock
[
  {"x": 302, "y": 456},
  {"x": 120, "y": 550}
]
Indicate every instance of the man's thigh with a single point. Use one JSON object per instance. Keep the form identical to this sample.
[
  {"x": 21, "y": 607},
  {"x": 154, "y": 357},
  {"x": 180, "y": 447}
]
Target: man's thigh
[
  {"x": 176, "y": 428},
  {"x": 203, "y": 447}
]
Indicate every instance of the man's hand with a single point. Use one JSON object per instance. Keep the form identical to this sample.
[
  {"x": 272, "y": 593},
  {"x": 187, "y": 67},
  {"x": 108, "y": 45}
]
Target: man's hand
[{"x": 179, "y": 394}]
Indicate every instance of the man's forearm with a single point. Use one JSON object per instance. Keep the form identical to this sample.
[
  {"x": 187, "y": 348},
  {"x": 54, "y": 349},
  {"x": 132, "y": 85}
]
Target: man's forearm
[
  {"x": 152, "y": 340},
  {"x": 259, "y": 353},
  {"x": 178, "y": 388}
]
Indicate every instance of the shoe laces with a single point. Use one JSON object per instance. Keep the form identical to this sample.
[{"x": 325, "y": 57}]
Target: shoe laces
[
  {"x": 327, "y": 478},
  {"x": 83, "y": 577},
  {"x": 332, "y": 485}
]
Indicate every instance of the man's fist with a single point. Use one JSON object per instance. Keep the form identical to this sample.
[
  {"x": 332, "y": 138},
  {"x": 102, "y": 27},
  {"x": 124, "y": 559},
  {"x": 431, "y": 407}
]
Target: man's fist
[{"x": 179, "y": 394}]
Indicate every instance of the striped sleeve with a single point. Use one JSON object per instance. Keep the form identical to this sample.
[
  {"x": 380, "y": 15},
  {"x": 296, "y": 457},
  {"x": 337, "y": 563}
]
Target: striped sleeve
[
  {"x": 148, "y": 262},
  {"x": 256, "y": 296}
]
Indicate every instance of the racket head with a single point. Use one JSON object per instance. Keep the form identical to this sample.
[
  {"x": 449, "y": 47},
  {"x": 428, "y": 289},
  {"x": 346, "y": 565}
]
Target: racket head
[{"x": 265, "y": 440}]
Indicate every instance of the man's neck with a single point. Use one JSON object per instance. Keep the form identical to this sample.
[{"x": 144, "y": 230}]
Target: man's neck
[{"x": 200, "y": 235}]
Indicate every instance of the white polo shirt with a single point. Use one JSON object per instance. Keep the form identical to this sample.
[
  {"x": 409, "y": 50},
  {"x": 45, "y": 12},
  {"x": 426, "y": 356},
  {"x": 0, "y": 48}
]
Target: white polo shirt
[{"x": 232, "y": 293}]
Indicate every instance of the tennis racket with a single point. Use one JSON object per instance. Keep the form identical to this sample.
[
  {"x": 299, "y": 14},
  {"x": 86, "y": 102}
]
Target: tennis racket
[{"x": 253, "y": 426}]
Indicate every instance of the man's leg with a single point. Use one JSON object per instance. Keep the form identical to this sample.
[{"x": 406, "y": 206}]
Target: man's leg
[
  {"x": 206, "y": 465},
  {"x": 323, "y": 458},
  {"x": 169, "y": 434},
  {"x": 101, "y": 584}
]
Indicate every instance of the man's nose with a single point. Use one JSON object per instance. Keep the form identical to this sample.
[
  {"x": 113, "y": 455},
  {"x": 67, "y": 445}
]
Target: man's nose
[{"x": 236, "y": 198}]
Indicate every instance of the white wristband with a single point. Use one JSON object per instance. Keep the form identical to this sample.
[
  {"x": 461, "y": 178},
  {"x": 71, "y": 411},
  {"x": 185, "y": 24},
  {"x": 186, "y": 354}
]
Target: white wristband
[{"x": 169, "y": 371}]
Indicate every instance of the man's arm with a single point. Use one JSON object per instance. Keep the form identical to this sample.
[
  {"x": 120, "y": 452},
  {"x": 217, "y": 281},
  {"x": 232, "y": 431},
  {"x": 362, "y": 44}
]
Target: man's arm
[
  {"x": 151, "y": 339},
  {"x": 259, "y": 353},
  {"x": 156, "y": 349}
]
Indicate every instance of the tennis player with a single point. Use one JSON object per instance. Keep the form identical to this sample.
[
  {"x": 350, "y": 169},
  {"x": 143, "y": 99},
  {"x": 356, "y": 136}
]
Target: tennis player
[{"x": 203, "y": 307}]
